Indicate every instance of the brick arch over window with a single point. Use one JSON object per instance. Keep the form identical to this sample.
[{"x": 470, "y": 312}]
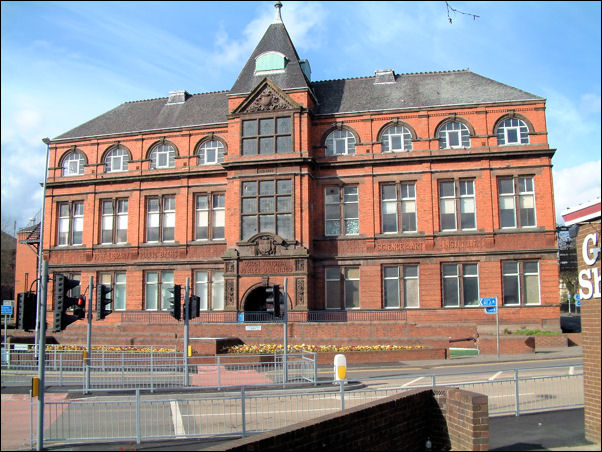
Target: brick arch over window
[
  {"x": 161, "y": 146},
  {"x": 447, "y": 134},
  {"x": 204, "y": 141},
  {"x": 406, "y": 146},
  {"x": 342, "y": 128},
  {"x": 396, "y": 123},
  {"x": 109, "y": 150},
  {"x": 73, "y": 161},
  {"x": 455, "y": 118},
  {"x": 513, "y": 115}
]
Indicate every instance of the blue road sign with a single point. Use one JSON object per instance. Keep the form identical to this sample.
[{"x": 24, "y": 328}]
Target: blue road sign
[
  {"x": 578, "y": 303},
  {"x": 491, "y": 310},
  {"x": 577, "y": 297},
  {"x": 6, "y": 310},
  {"x": 488, "y": 301}
]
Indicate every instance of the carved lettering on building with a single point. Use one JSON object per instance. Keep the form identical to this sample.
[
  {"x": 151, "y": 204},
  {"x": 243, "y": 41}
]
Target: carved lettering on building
[
  {"x": 400, "y": 246},
  {"x": 110, "y": 255},
  {"x": 459, "y": 244},
  {"x": 159, "y": 253},
  {"x": 264, "y": 266}
]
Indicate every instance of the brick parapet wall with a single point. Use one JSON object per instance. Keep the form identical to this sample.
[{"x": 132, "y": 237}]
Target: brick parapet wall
[{"x": 452, "y": 419}]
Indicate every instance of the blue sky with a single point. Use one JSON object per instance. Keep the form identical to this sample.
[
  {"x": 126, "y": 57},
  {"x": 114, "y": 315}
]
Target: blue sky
[{"x": 64, "y": 63}]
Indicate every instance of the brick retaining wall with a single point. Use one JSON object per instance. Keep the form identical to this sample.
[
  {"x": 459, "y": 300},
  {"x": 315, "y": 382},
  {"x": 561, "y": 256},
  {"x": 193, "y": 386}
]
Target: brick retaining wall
[{"x": 451, "y": 418}]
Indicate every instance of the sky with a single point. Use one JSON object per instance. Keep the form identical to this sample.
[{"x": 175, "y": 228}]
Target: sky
[{"x": 64, "y": 63}]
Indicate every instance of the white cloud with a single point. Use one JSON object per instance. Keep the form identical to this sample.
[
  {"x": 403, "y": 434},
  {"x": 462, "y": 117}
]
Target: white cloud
[{"x": 576, "y": 185}]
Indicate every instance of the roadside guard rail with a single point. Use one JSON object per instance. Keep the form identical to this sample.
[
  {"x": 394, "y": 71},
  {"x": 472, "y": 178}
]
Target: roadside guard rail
[
  {"x": 142, "y": 417},
  {"x": 155, "y": 369}
]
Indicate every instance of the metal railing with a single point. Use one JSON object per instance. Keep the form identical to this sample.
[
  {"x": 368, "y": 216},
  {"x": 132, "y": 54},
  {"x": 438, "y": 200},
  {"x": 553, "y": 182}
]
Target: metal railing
[
  {"x": 146, "y": 417},
  {"x": 156, "y": 369},
  {"x": 148, "y": 317}
]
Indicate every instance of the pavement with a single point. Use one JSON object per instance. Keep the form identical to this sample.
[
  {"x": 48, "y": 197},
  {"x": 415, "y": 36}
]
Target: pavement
[{"x": 556, "y": 430}]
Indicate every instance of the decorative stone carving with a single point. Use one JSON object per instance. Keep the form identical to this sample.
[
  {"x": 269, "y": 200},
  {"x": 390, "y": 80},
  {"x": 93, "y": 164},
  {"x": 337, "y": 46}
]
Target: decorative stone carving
[
  {"x": 230, "y": 293},
  {"x": 268, "y": 100},
  {"x": 299, "y": 292},
  {"x": 300, "y": 265},
  {"x": 265, "y": 245}
]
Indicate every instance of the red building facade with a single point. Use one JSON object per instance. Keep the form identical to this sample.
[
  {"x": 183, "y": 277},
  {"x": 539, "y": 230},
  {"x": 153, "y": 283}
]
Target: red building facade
[{"x": 390, "y": 198}]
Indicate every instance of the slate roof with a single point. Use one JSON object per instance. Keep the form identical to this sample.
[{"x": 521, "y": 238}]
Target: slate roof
[
  {"x": 420, "y": 90},
  {"x": 155, "y": 114},
  {"x": 408, "y": 91},
  {"x": 276, "y": 38}
]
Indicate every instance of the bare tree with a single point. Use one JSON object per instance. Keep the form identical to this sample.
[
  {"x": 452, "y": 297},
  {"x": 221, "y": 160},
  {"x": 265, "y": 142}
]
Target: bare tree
[{"x": 454, "y": 11}]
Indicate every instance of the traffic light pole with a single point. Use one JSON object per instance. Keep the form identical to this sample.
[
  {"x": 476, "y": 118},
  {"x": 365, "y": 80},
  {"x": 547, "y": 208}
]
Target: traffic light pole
[
  {"x": 42, "y": 351},
  {"x": 285, "y": 315},
  {"x": 186, "y": 317},
  {"x": 89, "y": 337}
]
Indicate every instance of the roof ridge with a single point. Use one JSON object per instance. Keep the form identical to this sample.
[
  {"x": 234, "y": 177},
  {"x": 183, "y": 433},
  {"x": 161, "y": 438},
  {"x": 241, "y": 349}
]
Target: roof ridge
[
  {"x": 167, "y": 97},
  {"x": 451, "y": 71},
  {"x": 405, "y": 73}
]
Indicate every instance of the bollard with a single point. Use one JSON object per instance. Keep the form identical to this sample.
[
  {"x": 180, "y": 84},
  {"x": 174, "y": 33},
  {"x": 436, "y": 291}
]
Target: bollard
[{"x": 340, "y": 368}]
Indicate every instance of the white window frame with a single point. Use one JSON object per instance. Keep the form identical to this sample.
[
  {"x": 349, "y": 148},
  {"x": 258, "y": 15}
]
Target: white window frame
[
  {"x": 518, "y": 126},
  {"x": 212, "y": 146},
  {"x": 342, "y": 137},
  {"x": 117, "y": 160},
  {"x": 162, "y": 151},
  {"x": 73, "y": 164},
  {"x": 70, "y": 224},
  {"x": 401, "y": 132},
  {"x": 344, "y": 193},
  {"x": 454, "y": 128},
  {"x": 164, "y": 282}
]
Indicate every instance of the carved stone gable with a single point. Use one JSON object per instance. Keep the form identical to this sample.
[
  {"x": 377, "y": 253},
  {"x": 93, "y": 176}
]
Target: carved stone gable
[{"x": 268, "y": 99}]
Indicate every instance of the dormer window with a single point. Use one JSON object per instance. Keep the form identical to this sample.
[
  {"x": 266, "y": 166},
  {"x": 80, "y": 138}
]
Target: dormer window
[{"x": 270, "y": 63}]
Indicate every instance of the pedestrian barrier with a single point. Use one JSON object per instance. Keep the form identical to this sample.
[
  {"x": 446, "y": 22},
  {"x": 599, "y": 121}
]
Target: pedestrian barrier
[
  {"x": 156, "y": 369},
  {"x": 149, "y": 417}
]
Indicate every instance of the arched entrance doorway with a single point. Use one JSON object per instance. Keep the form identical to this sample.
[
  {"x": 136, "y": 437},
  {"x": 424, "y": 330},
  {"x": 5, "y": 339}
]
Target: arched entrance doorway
[{"x": 255, "y": 300}]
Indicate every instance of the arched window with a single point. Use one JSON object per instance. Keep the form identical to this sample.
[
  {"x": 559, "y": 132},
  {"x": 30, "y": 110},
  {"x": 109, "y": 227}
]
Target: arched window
[
  {"x": 396, "y": 139},
  {"x": 211, "y": 152},
  {"x": 162, "y": 156},
  {"x": 117, "y": 160},
  {"x": 454, "y": 135},
  {"x": 512, "y": 131},
  {"x": 340, "y": 142},
  {"x": 73, "y": 164}
]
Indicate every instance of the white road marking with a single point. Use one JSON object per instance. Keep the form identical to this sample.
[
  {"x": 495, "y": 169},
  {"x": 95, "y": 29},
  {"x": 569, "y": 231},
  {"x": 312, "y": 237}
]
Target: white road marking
[
  {"x": 176, "y": 417},
  {"x": 497, "y": 374},
  {"x": 411, "y": 382}
]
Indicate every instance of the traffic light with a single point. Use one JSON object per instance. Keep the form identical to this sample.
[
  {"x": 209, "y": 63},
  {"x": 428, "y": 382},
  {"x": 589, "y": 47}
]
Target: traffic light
[
  {"x": 26, "y": 311},
  {"x": 175, "y": 307},
  {"x": 102, "y": 300},
  {"x": 79, "y": 309},
  {"x": 195, "y": 306},
  {"x": 62, "y": 285},
  {"x": 272, "y": 301}
]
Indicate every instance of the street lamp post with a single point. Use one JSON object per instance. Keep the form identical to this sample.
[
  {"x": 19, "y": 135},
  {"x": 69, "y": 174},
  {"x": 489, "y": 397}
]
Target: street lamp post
[{"x": 41, "y": 253}]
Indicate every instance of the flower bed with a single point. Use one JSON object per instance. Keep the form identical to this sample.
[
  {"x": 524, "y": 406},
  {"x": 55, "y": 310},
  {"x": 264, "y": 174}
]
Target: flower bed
[
  {"x": 110, "y": 348},
  {"x": 262, "y": 349},
  {"x": 354, "y": 354}
]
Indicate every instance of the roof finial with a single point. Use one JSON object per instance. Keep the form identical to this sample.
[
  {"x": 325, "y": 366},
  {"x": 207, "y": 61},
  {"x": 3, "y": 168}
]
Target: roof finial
[{"x": 277, "y": 17}]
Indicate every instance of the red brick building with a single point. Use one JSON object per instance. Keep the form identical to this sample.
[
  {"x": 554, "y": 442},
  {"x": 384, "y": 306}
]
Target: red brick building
[{"x": 388, "y": 201}]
